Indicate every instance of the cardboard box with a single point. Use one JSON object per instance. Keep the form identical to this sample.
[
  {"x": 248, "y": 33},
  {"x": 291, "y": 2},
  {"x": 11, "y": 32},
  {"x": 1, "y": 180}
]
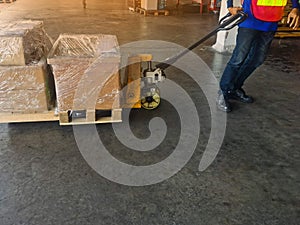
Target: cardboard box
[
  {"x": 73, "y": 93},
  {"x": 82, "y": 65},
  {"x": 26, "y": 89},
  {"x": 23, "y": 43}
]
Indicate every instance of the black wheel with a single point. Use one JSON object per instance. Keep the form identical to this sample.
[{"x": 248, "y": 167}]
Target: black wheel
[{"x": 150, "y": 98}]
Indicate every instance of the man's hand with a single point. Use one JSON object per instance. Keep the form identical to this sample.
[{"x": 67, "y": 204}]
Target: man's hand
[
  {"x": 234, "y": 10},
  {"x": 294, "y": 18}
]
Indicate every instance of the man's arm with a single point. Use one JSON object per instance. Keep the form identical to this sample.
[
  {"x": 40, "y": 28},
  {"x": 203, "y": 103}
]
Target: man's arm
[{"x": 294, "y": 17}]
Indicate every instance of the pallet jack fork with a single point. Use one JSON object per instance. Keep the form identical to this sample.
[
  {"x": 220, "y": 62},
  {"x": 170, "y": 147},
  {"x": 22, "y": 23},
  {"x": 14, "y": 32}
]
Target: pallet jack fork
[{"x": 150, "y": 93}]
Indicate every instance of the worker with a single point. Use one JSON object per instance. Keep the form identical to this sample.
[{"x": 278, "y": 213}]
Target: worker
[{"x": 253, "y": 40}]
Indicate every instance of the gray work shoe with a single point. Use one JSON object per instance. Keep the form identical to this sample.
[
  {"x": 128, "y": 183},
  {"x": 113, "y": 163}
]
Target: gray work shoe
[{"x": 223, "y": 104}]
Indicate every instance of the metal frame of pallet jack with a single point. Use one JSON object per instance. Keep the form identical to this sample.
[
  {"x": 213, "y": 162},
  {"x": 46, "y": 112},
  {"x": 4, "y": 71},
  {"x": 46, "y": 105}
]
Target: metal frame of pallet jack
[{"x": 157, "y": 75}]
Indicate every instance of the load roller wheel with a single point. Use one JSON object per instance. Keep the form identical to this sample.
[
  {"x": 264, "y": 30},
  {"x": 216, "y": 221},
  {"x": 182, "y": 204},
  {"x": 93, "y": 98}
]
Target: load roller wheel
[{"x": 150, "y": 99}]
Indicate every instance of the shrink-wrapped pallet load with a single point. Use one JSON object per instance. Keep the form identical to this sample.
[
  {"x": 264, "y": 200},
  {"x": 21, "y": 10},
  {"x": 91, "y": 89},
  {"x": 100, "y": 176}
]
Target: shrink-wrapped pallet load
[
  {"x": 86, "y": 72},
  {"x": 26, "y": 86},
  {"x": 149, "y": 4},
  {"x": 23, "y": 43}
]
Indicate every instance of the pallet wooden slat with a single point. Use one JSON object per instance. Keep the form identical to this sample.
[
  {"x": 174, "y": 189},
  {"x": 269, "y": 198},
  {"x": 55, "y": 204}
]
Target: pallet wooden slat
[
  {"x": 287, "y": 35},
  {"x": 91, "y": 118},
  {"x": 7, "y": 1},
  {"x": 287, "y": 32},
  {"x": 28, "y": 117},
  {"x": 152, "y": 12}
]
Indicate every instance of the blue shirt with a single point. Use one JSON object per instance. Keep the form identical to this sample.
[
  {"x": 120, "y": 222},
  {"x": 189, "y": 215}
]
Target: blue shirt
[{"x": 253, "y": 23}]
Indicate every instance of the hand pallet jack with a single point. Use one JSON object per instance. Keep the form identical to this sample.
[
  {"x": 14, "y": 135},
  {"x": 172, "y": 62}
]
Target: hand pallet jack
[
  {"x": 150, "y": 94},
  {"x": 150, "y": 98}
]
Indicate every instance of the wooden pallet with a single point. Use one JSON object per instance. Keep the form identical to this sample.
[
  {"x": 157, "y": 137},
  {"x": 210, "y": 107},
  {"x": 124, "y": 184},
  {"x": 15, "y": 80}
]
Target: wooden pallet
[
  {"x": 287, "y": 35},
  {"x": 7, "y": 1},
  {"x": 64, "y": 118},
  {"x": 90, "y": 117},
  {"x": 286, "y": 32},
  {"x": 153, "y": 12}
]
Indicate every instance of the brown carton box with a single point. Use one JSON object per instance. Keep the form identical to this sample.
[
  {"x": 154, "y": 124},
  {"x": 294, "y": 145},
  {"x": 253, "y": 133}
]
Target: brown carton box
[{"x": 26, "y": 89}]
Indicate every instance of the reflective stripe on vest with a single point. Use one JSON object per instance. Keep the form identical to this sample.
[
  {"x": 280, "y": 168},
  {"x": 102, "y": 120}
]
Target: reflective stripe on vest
[{"x": 271, "y": 2}]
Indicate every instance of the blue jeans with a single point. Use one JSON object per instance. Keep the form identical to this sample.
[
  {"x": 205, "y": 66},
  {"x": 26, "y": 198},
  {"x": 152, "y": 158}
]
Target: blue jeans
[{"x": 249, "y": 53}]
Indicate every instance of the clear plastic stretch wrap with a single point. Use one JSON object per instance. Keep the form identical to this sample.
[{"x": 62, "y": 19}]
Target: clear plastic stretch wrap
[
  {"x": 26, "y": 86},
  {"x": 23, "y": 43},
  {"x": 86, "y": 71}
]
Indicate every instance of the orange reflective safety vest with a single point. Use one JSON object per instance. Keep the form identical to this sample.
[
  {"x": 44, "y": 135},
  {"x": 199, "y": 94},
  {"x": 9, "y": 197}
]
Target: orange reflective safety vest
[{"x": 268, "y": 10}]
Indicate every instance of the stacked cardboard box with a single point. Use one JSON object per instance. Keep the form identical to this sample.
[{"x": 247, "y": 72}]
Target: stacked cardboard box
[
  {"x": 86, "y": 71},
  {"x": 25, "y": 83}
]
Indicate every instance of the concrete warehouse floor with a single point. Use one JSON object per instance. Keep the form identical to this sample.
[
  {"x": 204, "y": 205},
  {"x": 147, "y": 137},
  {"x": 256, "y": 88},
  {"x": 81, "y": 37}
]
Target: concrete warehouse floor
[{"x": 44, "y": 179}]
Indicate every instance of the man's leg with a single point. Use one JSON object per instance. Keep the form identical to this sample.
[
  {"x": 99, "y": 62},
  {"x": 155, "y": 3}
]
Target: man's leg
[
  {"x": 256, "y": 57},
  {"x": 244, "y": 43}
]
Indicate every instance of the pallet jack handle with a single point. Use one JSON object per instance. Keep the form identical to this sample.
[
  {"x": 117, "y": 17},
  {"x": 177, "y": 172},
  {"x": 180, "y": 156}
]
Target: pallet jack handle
[{"x": 225, "y": 23}]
